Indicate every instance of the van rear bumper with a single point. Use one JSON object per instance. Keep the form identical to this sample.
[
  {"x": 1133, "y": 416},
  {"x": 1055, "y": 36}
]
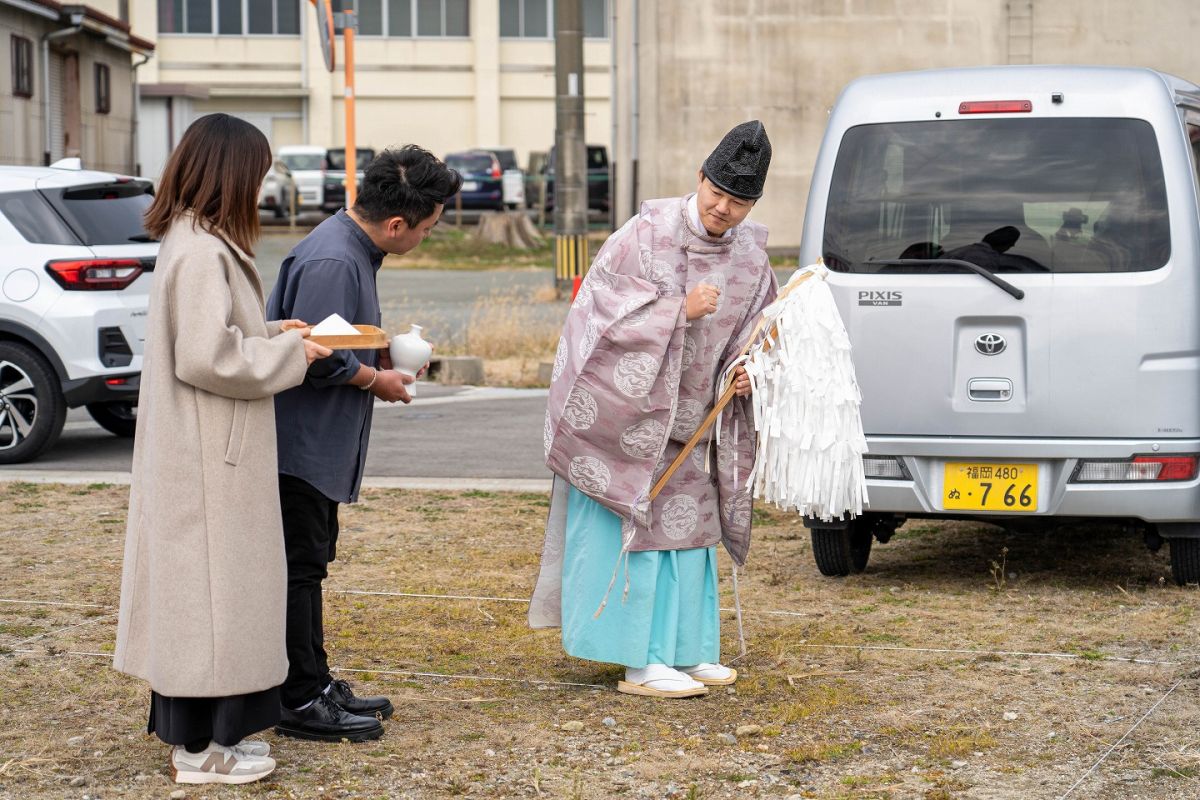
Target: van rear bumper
[{"x": 924, "y": 459}]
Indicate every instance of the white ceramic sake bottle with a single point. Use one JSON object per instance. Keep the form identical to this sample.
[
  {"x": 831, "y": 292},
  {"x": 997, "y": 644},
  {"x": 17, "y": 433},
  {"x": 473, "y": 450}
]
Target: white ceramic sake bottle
[{"x": 409, "y": 353}]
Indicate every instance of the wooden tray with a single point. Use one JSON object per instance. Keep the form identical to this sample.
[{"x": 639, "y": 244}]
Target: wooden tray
[{"x": 369, "y": 338}]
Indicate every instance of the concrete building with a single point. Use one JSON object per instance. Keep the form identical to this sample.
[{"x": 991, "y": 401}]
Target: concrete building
[
  {"x": 445, "y": 74},
  {"x": 688, "y": 71},
  {"x": 68, "y": 85}
]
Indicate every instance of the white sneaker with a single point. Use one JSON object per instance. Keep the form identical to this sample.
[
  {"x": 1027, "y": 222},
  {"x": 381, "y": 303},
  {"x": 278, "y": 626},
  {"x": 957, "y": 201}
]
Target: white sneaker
[
  {"x": 219, "y": 764},
  {"x": 253, "y": 747},
  {"x": 710, "y": 674},
  {"x": 659, "y": 680}
]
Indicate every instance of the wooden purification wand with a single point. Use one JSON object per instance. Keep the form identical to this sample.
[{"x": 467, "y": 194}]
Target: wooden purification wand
[{"x": 726, "y": 395}]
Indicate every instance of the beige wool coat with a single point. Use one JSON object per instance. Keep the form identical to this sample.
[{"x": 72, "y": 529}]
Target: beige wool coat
[{"x": 204, "y": 584}]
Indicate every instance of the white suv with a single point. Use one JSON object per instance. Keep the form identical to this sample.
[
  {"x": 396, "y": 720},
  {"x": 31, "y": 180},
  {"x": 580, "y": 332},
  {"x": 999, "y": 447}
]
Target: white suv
[{"x": 74, "y": 290}]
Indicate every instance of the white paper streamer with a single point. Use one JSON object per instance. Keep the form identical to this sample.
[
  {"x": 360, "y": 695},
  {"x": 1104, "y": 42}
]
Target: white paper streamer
[{"x": 806, "y": 406}]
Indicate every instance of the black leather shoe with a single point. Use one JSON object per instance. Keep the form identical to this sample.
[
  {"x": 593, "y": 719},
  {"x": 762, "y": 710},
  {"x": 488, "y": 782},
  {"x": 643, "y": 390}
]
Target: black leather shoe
[
  {"x": 340, "y": 693},
  {"x": 326, "y": 721}
]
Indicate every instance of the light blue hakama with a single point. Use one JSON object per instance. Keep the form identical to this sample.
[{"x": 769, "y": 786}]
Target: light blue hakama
[{"x": 671, "y": 615}]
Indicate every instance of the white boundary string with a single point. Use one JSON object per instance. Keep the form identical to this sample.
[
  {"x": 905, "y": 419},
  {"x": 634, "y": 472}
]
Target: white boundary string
[
  {"x": 430, "y": 596},
  {"x": 470, "y": 677},
  {"x": 51, "y": 603},
  {"x": 438, "y": 675},
  {"x": 967, "y": 651},
  {"x": 1110, "y": 750},
  {"x": 57, "y": 631},
  {"x": 525, "y": 601}
]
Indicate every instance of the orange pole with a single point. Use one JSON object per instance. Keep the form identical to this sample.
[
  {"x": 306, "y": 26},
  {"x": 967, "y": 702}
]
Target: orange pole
[{"x": 351, "y": 151}]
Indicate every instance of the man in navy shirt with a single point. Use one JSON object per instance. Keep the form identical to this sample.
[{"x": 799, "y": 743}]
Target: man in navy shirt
[{"x": 323, "y": 425}]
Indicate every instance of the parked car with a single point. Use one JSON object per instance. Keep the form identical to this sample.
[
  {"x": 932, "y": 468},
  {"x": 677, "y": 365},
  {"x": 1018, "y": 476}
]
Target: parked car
[
  {"x": 74, "y": 291},
  {"x": 512, "y": 179},
  {"x": 482, "y": 179},
  {"x": 597, "y": 179},
  {"x": 307, "y": 164},
  {"x": 278, "y": 190},
  {"x": 1016, "y": 254},
  {"x": 535, "y": 176},
  {"x": 335, "y": 174}
]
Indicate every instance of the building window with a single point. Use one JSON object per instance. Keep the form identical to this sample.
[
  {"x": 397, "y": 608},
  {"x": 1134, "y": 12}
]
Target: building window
[
  {"x": 595, "y": 19},
  {"x": 403, "y": 18},
  {"x": 22, "y": 67},
  {"x": 534, "y": 19},
  {"x": 103, "y": 89},
  {"x": 230, "y": 17}
]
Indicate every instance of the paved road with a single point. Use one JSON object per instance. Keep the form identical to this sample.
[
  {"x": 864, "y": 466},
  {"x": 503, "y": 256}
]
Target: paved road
[{"x": 447, "y": 432}]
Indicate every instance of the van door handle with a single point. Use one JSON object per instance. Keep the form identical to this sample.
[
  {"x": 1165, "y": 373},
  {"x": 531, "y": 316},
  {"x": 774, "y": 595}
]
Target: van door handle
[{"x": 989, "y": 390}]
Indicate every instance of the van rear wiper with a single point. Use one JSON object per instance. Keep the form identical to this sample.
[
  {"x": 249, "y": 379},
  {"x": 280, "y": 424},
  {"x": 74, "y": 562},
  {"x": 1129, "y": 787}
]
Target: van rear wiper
[{"x": 953, "y": 262}]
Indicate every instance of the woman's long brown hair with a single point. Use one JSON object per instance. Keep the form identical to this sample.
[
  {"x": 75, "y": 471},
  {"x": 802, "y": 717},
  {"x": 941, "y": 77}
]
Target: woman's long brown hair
[{"x": 215, "y": 173}]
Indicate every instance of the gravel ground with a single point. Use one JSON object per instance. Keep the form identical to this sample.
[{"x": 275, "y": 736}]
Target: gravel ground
[{"x": 966, "y": 662}]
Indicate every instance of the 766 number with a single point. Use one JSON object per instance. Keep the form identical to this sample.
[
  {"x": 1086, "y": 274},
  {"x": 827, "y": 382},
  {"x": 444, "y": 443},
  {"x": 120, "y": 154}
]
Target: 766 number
[{"x": 1023, "y": 499}]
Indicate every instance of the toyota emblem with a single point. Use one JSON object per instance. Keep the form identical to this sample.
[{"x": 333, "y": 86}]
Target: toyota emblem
[{"x": 990, "y": 344}]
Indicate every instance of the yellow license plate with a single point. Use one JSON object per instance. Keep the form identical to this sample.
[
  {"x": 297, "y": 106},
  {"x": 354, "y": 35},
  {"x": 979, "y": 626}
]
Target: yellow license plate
[{"x": 990, "y": 487}]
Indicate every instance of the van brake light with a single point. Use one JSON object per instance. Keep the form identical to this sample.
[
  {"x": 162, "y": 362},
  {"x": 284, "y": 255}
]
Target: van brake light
[
  {"x": 1136, "y": 469},
  {"x": 995, "y": 107}
]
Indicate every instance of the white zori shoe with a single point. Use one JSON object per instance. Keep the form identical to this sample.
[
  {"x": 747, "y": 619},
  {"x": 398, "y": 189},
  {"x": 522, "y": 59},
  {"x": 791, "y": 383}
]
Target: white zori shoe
[
  {"x": 710, "y": 674},
  {"x": 659, "y": 680},
  {"x": 219, "y": 764}
]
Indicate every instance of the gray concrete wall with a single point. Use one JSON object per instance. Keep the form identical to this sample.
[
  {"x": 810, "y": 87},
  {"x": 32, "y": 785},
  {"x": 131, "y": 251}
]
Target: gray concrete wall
[{"x": 705, "y": 65}]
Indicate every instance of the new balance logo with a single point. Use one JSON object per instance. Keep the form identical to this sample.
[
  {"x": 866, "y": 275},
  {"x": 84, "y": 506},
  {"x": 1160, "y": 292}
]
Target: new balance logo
[{"x": 219, "y": 763}]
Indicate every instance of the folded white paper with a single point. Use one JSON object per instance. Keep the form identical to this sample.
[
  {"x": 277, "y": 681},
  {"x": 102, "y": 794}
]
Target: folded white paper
[{"x": 334, "y": 325}]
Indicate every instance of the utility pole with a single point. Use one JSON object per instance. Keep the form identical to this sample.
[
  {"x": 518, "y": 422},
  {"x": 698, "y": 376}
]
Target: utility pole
[{"x": 570, "y": 157}]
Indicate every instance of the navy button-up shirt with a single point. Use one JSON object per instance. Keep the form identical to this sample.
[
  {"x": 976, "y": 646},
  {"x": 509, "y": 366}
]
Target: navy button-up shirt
[{"x": 324, "y": 423}]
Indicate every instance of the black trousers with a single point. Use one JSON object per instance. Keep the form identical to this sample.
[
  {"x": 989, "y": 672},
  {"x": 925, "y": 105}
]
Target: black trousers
[
  {"x": 195, "y": 721},
  {"x": 310, "y": 531}
]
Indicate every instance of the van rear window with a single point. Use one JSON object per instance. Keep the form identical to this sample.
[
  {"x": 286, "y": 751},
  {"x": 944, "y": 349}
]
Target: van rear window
[{"x": 1027, "y": 195}]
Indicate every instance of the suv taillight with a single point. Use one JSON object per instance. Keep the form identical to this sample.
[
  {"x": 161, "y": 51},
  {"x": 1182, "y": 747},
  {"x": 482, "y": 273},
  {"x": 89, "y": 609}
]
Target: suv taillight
[
  {"x": 1138, "y": 468},
  {"x": 94, "y": 274}
]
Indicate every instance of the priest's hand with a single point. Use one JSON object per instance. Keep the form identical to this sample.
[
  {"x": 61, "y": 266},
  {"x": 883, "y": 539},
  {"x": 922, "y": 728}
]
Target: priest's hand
[
  {"x": 741, "y": 382},
  {"x": 702, "y": 301}
]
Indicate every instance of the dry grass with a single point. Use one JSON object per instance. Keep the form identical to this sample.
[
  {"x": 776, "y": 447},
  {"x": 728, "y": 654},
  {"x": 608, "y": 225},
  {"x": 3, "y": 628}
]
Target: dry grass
[
  {"x": 454, "y": 248},
  {"x": 836, "y": 723},
  {"x": 505, "y": 325},
  {"x": 511, "y": 332}
]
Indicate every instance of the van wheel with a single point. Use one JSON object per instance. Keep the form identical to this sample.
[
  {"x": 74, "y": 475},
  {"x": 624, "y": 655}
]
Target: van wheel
[
  {"x": 842, "y": 551},
  {"x": 116, "y": 418},
  {"x": 1185, "y": 560},
  {"x": 32, "y": 406}
]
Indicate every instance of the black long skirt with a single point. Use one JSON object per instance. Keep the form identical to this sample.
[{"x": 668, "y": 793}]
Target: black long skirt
[{"x": 226, "y": 720}]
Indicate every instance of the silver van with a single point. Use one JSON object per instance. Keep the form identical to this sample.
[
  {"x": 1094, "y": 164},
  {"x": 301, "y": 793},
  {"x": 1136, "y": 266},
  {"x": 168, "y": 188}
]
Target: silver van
[{"x": 1016, "y": 254}]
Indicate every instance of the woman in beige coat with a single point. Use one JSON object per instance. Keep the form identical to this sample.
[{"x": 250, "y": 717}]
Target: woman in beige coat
[{"x": 203, "y": 589}]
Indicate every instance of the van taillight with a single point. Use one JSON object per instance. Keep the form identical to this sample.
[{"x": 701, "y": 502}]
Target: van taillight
[
  {"x": 1138, "y": 468},
  {"x": 995, "y": 107},
  {"x": 94, "y": 274},
  {"x": 496, "y": 172}
]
